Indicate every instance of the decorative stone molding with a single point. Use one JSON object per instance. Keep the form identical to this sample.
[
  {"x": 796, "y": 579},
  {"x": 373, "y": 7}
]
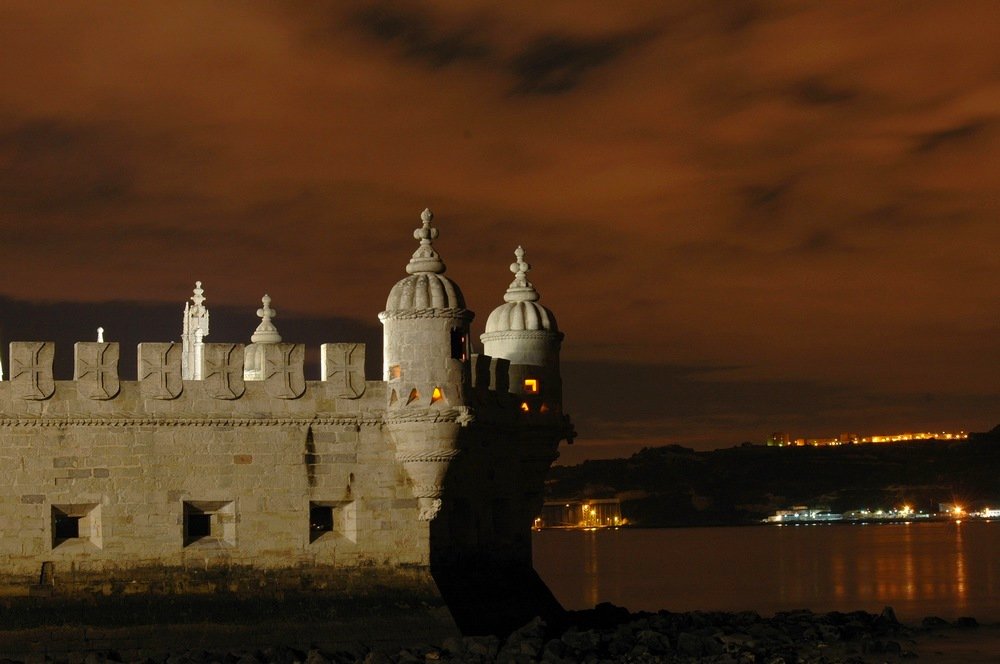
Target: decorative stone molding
[
  {"x": 520, "y": 335},
  {"x": 222, "y": 370},
  {"x": 31, "y": 369},
  {"x": 160, "y": 370},
  {"x": 411, "y": 314},
  {"x": 95, "y": 369},
  {"x": 344, "y": 367},
  {"x": 461, "y": 415},
  {"x": 283, "y": 370},
  {"x": 27, "y": 422}
]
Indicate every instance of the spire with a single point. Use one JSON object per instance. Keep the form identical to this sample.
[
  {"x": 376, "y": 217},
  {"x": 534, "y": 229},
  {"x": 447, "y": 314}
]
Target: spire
[
  {"x": 193, "y": 333},
  {"x": 425, "y": 259},
  {"x": 520, "y": 290},
  {"x": 266, "y": 332}
]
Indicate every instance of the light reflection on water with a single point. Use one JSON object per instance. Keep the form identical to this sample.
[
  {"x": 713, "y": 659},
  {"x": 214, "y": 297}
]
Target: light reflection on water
[{"x": 947, "y": 569}]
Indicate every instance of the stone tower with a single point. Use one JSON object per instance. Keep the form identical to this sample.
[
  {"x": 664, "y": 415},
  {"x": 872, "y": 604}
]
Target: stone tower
[
  {"x": 426, "y": 368},
  {"x": 524, "y": 332}
]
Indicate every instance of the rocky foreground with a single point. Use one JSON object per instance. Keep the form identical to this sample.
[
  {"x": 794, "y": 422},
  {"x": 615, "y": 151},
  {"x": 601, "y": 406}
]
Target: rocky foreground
[{"x": 612, "y": 634}]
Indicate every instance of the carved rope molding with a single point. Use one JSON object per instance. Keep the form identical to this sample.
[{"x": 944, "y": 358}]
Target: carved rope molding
[
  {"x": 461, "y": 415},
  {"x": 412, "y": 314},
  {"x": 432, "y": 457},
  {"x": 519, "y": 335},
  {"x": 13, "y": 422}
]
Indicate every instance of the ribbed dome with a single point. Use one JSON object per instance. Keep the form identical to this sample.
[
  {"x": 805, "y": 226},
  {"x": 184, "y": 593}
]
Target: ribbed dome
[
  {"x": 425, "y": 290},
  {"x": 520, "y": 310},
  {"x": 530, "y": 316}
]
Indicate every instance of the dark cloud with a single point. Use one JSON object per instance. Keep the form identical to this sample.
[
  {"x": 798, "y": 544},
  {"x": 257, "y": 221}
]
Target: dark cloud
[
  {"x": 52, "y": 166},
  {"x": 557, "y": 63},
  {"x": 817, "y": 91},
  {"x": 962, "y": 134},
  {"x": 419, "y": 38}
]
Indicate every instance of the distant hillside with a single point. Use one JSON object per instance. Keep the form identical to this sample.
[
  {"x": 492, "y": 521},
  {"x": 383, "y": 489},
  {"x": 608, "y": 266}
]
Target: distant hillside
[{"x": 675, "y": 485}]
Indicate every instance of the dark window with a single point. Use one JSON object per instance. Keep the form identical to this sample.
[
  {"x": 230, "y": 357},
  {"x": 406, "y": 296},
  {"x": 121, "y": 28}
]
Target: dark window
[
  {"x": 458, "y": 345},
  {"x": 320, "y": 520},
  {"x": 198, "y": 525},
  {"x": 65, "y": 527}
]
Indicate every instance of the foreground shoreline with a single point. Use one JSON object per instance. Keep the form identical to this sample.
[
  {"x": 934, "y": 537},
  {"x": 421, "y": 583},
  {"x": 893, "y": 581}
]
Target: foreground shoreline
[{"x": 606, "y": 633}]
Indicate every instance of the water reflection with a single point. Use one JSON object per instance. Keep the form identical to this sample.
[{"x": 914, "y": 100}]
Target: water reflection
[{"x": 920, "y": 569}]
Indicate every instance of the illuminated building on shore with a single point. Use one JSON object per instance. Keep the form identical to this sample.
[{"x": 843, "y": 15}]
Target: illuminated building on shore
[
  {"x": 601, "y": 513},
  {"x": 855, "y": 439}
]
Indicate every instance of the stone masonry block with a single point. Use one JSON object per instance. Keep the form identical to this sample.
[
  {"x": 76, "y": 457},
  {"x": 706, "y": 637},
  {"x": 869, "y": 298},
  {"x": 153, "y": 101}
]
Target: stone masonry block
[
  {"x": 344, "y": 367},
  {"x": 95, "y": 369},
  {"x": 222, "y": 370},
  {"x": 283, "y": 370},
  {"x": 31, "y": 369},
  {"x": 160, "y": 370}
]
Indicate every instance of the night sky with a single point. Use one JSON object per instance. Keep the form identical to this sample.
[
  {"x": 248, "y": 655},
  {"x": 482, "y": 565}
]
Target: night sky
[{"x": 748, "y": 217}]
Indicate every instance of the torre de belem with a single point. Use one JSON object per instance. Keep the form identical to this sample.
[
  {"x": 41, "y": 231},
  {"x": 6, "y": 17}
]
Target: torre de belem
[{"x": 223, "y": 470}]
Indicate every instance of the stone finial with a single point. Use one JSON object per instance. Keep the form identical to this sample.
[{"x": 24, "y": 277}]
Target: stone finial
[
  {"x": 100, "y": 335},
  {"x": 425, "y": 259},
  {"x": 199, "y": 297},
  {"x": 520, "y": 290},
  {"x": 266, "y": 332}
]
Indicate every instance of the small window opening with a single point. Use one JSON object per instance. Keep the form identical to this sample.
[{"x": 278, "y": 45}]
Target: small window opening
[
  {"x": 333, "y": 521},
  {"x": 320, "y": 520},
  {"x": 531, "y": 385},
  {"x": 544, "y": 408},
  {"x": 393, "y": 398},
  {"x": 65, "y": 527},
  {"x": 76, "y": 525},
  {"x": 395, "y": 372},
  {"x": 209, "y": 522},
  {"x": 458, "y": 345},
  {"x": 525, "y": 408},
  {"x": 414, "y": 396},
  {"x": 436, "y": 395}
]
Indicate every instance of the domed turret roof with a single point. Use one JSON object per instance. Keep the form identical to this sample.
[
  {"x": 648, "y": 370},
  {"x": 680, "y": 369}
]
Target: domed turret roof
[
  {"x": 426, "y": 287},
  {"x": 521, "y": 310}
]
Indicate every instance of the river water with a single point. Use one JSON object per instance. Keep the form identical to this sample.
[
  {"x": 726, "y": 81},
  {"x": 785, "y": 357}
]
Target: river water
[{"x": 946, "y": 569}]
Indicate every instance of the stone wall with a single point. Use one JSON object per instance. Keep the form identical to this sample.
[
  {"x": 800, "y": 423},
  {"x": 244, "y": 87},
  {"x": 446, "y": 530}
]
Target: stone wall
[{"x": 100, "y": 489}]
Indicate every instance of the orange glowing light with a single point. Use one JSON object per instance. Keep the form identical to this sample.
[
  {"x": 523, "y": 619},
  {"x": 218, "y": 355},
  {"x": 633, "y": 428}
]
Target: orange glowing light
[
  {"x": 436, "y": 395},
  {"x": 524, "y": 407},
  {"x": 531, "y": 385}
]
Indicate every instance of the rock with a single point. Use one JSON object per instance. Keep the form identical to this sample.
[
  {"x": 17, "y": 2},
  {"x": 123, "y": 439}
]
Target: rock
[
  {"x": 316, "y": 657},
  {"x": 966, "y": 622},
  {"x": 888, "y": 616},
  {"x": 580, "y": 642},
  {"x": 933, "y": 622},
  {"x": 482, "y": 646},
  {"x": 689, "y": 644}
]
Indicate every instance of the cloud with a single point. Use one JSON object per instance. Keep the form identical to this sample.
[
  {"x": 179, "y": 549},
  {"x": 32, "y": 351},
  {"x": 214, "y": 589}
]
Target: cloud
[
  {"x": 419, "y": 38},
  {"x": 556, "y": 64}
]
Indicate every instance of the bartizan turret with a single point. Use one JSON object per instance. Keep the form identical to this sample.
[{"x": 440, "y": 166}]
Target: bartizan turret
[
  {"x": 524, "y": 332},
  {"x": 426, "y": 367}
]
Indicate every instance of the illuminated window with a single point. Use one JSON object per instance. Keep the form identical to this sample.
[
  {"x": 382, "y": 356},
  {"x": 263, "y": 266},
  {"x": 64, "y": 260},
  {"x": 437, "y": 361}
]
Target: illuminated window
[
  {"x": 544, "y": 408},
  {"x": 458, "y": 345},
  {"x": 525, "y": 408},
  {"x": 531, "y": 385},
  {"x": 436, "y": 395},
  {"x": 395, "y": 372},
  {"x": 414, "y": 396}
]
